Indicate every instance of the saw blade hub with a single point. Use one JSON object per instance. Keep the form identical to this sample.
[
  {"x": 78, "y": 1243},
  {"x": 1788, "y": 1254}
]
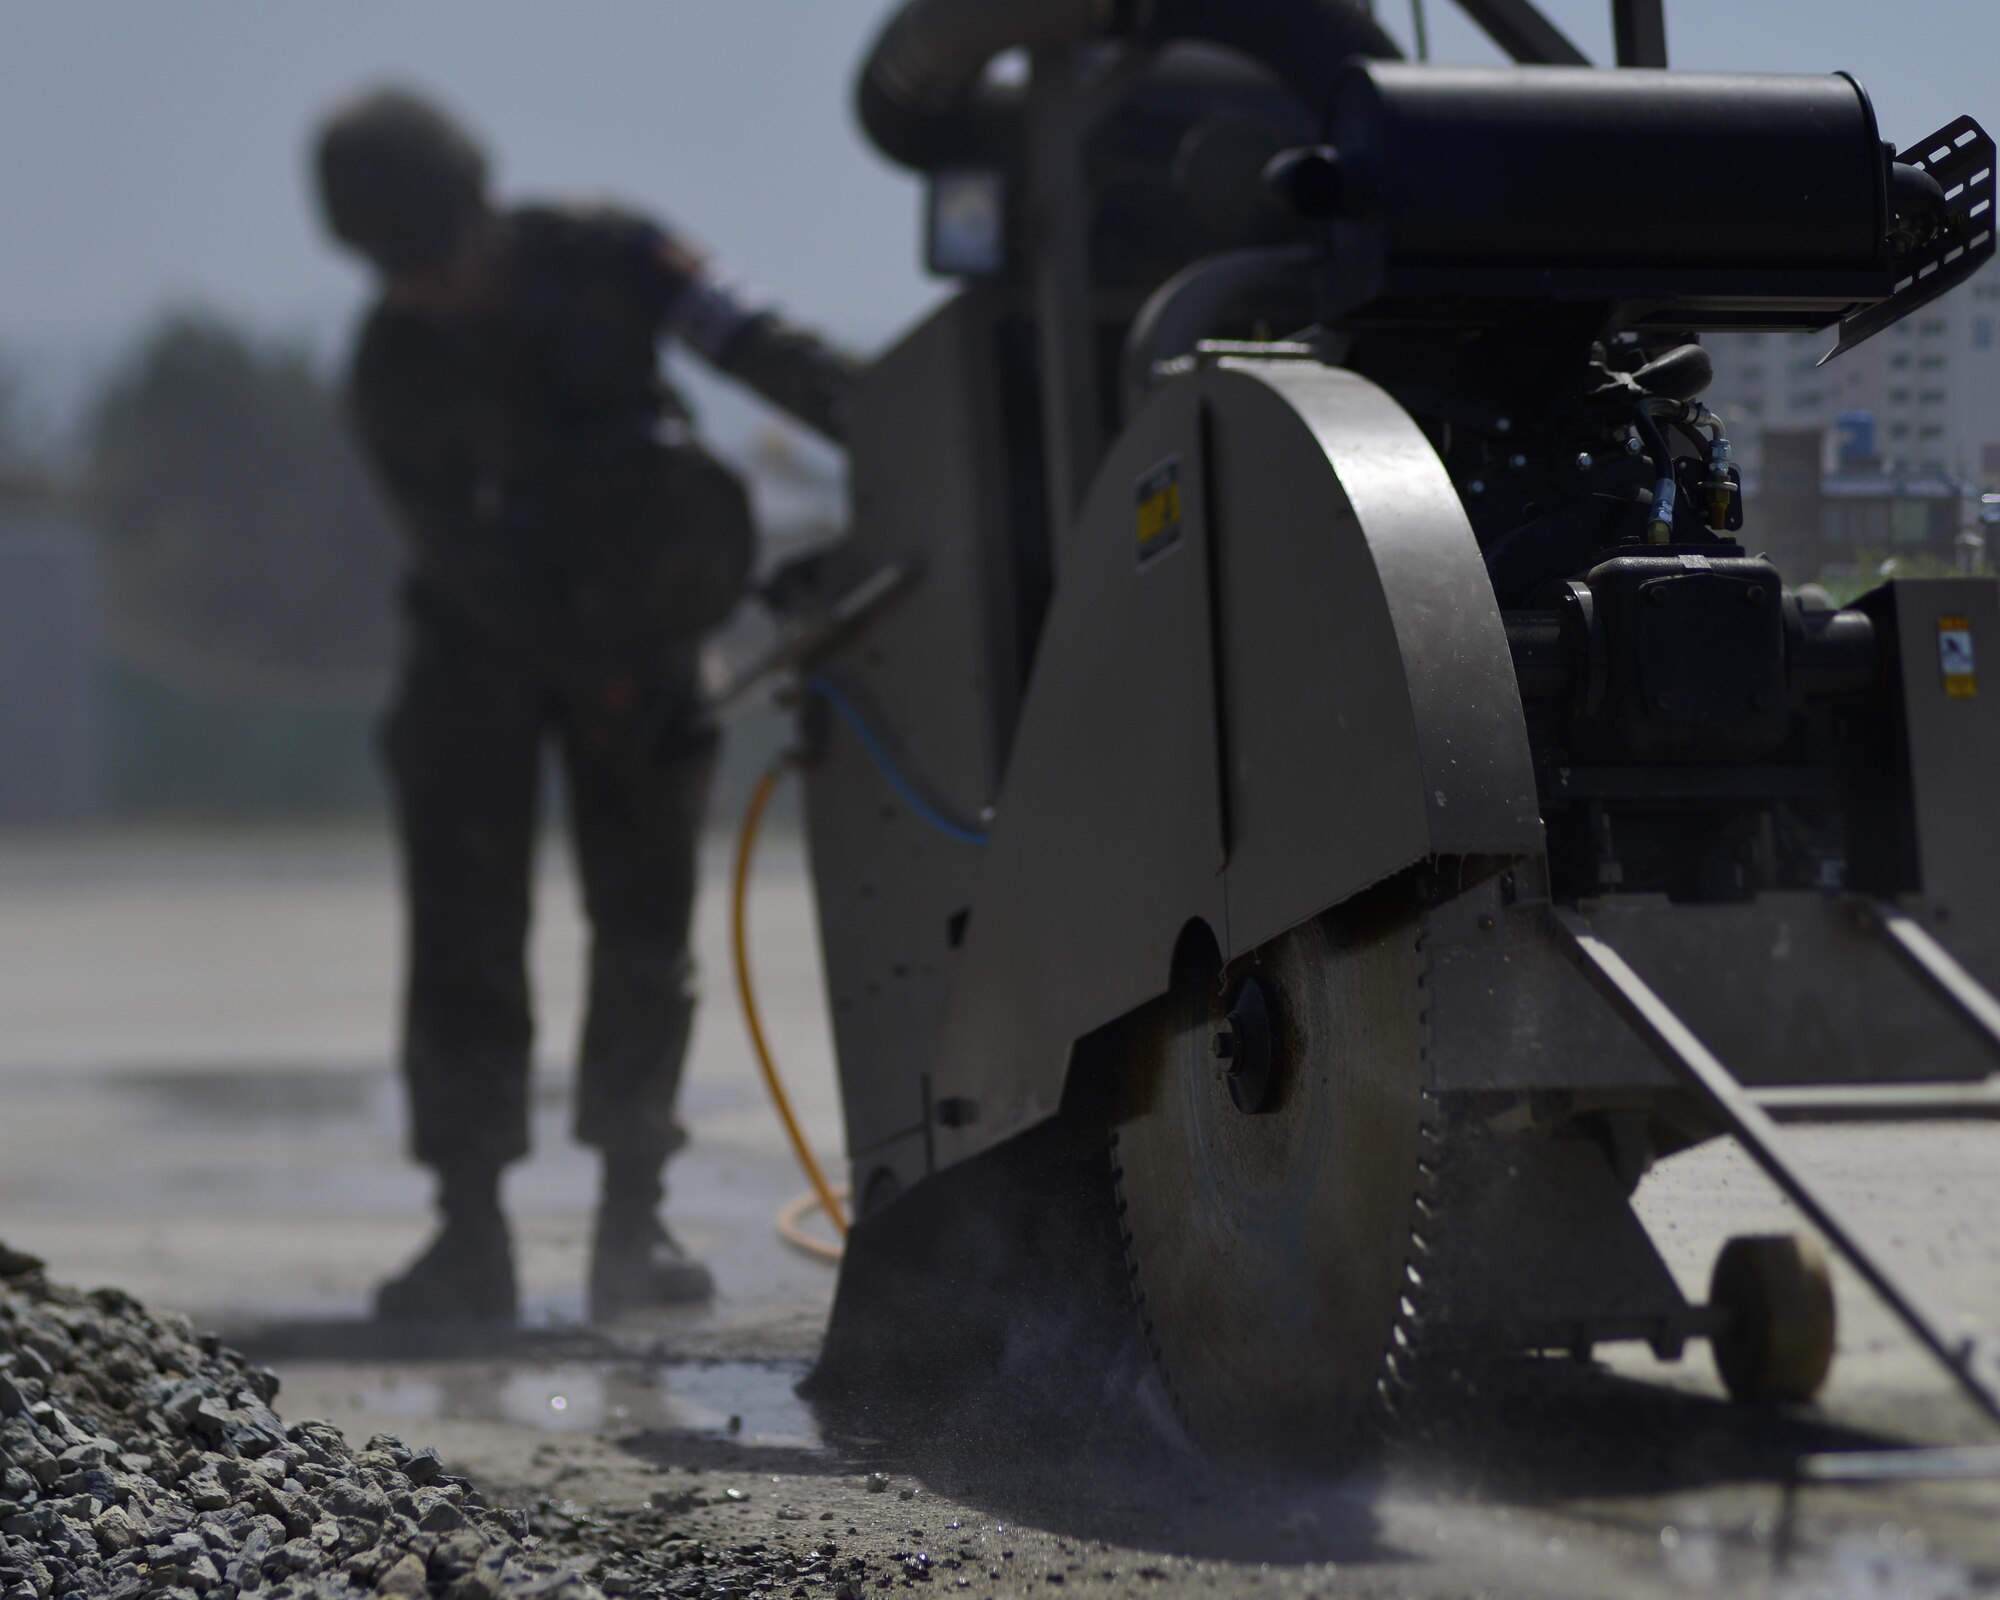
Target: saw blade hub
[{"x": 1245, "y": 1047}]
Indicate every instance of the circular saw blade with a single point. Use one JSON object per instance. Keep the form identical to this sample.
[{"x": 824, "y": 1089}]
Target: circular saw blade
[{"x": 1272, "y": 1254}]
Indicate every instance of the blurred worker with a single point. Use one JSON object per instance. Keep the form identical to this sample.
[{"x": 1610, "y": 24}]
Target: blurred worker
[{"x": 569, "y": 542}]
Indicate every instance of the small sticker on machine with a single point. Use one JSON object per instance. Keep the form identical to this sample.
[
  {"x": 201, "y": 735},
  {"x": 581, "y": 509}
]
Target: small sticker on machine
[
  {"x": 1955, "y": 658},
  {"x": 1158, "y": 494}
]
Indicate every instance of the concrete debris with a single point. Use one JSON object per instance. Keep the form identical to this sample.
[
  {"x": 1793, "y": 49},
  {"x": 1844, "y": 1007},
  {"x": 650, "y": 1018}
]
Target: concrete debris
[
  {"x": 639, "y": 1552},
  {"x": 17, "y": 1263},
  {"x": 138, "y": 1461}
]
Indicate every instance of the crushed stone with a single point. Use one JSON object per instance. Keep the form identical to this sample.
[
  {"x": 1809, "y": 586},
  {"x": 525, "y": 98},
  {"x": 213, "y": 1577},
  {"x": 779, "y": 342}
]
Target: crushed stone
[{"x": 142, "y": 1461}]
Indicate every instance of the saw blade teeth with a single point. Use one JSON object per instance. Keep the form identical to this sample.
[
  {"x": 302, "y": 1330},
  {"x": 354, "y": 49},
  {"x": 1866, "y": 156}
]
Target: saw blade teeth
[
  {"x": 1336, "y": 966},
  {"x": 1398, "y": 1391}
]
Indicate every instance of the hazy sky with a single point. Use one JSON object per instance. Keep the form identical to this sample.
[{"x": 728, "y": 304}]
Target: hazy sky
[{"x": 151, "y": 150}]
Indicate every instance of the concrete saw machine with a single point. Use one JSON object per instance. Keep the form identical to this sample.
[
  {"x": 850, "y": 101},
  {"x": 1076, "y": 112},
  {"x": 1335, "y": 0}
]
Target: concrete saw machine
[{"x": 1317, "y": 733}]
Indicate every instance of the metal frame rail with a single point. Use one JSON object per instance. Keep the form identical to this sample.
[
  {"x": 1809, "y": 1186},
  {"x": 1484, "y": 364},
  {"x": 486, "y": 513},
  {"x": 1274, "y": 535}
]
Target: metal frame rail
[
  {"x": 1738, "y": 1108},
  {"x": 1638, "y": 30}
]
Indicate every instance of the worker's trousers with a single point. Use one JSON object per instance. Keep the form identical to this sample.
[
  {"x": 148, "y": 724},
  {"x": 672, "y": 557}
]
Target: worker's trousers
[{"x": 464, "y": 744}]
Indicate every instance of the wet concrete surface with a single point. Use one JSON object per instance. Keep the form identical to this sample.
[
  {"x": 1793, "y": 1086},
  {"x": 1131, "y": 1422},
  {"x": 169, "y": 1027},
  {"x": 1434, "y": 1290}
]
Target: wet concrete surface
[{"x": 198, "y": 1106}]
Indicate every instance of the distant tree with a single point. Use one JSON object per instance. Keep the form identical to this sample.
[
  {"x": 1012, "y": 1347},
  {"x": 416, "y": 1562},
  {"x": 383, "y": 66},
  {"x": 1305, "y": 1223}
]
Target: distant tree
[
  {"x": 12, "y": 443},
  {"x": 25, "y": 471},
  {"x": 241, "y": 538}
]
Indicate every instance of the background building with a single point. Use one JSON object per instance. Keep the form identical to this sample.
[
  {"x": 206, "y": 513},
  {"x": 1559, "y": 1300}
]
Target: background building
[
  {"x": 1820, "y": 507},
  {"x": 1879, "y": 455},
  {"x": 1931, "y": 383}
]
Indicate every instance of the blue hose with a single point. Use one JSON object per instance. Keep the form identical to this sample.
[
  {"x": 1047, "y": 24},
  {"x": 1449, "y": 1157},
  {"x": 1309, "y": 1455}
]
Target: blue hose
[{"x": 826, "y": 689}]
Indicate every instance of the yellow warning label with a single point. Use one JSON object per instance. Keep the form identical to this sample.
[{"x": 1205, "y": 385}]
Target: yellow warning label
[
  {"x": 1159, "y": 512},
  {"x": 1956, "y": 662},
  {"x": 1158, "y": 496}
]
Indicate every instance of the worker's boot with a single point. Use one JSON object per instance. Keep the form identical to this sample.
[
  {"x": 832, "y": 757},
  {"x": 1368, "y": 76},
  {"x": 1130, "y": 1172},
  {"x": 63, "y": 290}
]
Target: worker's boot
[
  {"x": 634, "y": 1261},
  {"x": 466, "y": 1273}
]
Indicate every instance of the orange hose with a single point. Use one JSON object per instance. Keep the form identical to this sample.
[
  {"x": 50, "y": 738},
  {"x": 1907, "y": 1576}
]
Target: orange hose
[
  {"x": 746, "y": 844},
  {"x": 792, "y": 1226}
]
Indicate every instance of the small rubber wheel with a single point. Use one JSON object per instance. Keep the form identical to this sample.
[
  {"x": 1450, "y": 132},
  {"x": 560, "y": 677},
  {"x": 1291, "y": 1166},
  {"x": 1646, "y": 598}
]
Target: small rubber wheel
[{"x": 1777, "y": 1342}]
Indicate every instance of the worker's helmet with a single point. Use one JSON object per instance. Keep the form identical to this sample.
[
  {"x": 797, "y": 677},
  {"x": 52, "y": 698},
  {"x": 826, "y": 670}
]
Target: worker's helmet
[{"x": 399, "y": 180}]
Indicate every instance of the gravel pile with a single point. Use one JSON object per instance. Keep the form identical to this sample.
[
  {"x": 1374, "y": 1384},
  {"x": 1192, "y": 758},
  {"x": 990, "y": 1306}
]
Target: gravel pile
[
  {"x": 647, "y": 1551},
  {"x": 139, "y": 1460}
]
